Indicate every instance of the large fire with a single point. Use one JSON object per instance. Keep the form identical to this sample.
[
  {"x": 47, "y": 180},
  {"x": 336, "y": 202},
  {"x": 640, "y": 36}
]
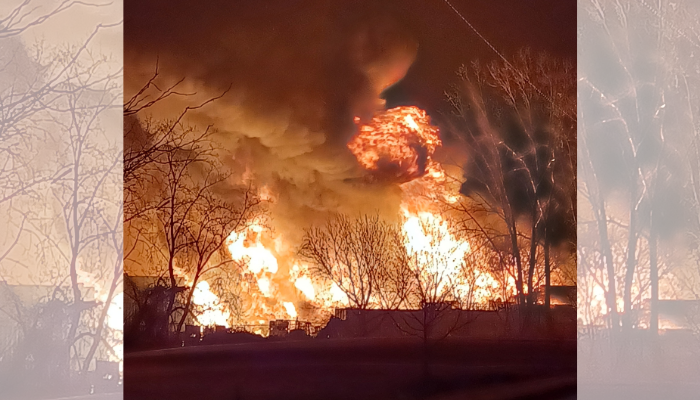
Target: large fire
[{"x": 397, "y": 144}]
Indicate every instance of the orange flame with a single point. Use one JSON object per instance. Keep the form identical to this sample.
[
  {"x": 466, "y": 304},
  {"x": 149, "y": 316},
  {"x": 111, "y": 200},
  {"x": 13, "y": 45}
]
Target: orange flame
[
  {"x": 213, "y": 312},
  {"x": 209, "y": 310},
  {"x": 264, "y": 301},
  {"x": 399, "y": 141}
]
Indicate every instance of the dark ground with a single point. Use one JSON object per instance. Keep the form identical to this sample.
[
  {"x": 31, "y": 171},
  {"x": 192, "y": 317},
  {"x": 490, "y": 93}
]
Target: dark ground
[
  {"x": 355, "y": 369},
  {"x": 651, "y": 390}
]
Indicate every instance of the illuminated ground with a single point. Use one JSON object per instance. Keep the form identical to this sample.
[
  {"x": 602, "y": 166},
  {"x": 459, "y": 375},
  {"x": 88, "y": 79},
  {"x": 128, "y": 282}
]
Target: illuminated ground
[{"x": 355, "y": 369}]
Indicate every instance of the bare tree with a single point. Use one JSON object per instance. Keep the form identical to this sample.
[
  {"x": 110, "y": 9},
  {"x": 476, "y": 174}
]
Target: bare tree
[
  {"x": 179, "y": 207},
  {"x": 439, "y": 285},
  {"x": 490, "y": 244},
  {"x": 630, "y": 137},
  {"x": 187, "y": 210},
  {"x": 148, "y": 140},
  {"x": 356, "y": 255},
  {"x": 60, "y": 179},
  {"x": 516, "y": 119},
  {"x": 210, "y": 225},
  {"x": 87, "y": 221},
  {"x": 396, "y": 284},
  {"x": 437, "y": 274}
]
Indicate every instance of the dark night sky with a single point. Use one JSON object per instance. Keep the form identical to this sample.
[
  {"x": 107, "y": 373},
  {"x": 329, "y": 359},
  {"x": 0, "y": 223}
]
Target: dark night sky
[{"x": 446, "y": 41}]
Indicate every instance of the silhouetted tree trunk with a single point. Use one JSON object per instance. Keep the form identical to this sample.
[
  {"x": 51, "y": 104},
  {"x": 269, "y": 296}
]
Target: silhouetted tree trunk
[
  {"x": 631, "y": 263},
  {"x": 102, "y": 320},
  {"x": 606, "y": 250},
  {"x": 547, "y": 274},
  {"x": 188, "y": 305},
  {"x": 426, "y": 346},
  {"x": 654, "y": 275},
  {"x": 513, "y": 232},
  {"x": 533, "y": 257}
]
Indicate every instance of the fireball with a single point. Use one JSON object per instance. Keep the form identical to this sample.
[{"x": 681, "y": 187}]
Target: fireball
[{"x": 397, "y": 144}]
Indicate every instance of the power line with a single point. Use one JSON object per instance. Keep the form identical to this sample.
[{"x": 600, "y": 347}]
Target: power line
[
  {"x": 501, "y": 55},
  {"x": 661, "y": 17},
  {"x": 478, "y": 34}
]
